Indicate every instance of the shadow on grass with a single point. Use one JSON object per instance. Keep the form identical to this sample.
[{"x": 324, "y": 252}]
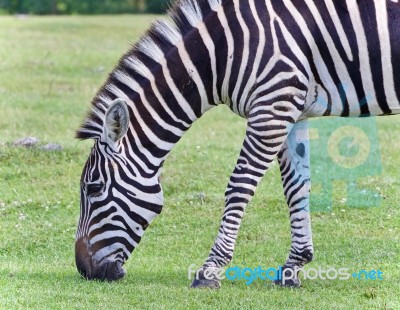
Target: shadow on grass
[{"x": 72, "y": 277}]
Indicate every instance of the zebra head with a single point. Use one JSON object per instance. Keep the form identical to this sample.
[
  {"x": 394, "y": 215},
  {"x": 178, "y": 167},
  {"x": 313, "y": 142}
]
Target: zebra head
[{"x": 117, "y": 202}]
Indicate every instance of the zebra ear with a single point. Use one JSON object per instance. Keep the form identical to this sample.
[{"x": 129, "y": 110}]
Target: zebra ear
[{"x": 116, "y": 121}]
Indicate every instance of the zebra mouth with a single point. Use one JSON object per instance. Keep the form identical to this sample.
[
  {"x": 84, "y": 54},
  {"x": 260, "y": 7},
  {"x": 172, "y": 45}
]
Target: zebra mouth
[
  {"x": 109, "y": 270},
  {"x": 114, "y": 271}
]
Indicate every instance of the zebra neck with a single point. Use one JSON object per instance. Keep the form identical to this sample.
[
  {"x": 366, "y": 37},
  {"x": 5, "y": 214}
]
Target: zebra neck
[
  {"x": 167, "y": 85},
  {"x": 169, "y": 79},
  {"x": 162, "y": 106}
]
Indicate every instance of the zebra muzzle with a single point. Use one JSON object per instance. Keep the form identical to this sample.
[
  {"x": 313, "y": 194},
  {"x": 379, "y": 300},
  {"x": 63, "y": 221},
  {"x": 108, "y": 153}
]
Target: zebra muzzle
[{"x": 90, "y": 270}]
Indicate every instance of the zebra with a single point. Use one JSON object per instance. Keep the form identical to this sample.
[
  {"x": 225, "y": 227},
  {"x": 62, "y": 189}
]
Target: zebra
[{"x": 275, "y": 63}]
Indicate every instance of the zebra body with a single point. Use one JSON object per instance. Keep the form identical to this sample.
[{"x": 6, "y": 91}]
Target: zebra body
[{"x": 276, "y": 63}]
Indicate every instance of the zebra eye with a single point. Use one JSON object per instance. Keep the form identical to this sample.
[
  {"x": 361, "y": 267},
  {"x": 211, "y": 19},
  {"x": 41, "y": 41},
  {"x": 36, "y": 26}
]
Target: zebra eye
[{"x": 94, "y": 189}]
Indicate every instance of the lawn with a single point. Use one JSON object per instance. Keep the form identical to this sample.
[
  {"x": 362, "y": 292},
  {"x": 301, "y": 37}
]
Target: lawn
[{"x": 50, "y": 68}]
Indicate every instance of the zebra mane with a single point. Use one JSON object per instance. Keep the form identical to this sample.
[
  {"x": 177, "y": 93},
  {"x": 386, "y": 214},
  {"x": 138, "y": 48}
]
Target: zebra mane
[{"x": 184, "y": 15}]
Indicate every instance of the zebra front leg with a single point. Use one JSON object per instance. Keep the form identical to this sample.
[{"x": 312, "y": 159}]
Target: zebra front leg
[
  {"x": 294, "y": 161},
  {"x": 264, "y": 138}
]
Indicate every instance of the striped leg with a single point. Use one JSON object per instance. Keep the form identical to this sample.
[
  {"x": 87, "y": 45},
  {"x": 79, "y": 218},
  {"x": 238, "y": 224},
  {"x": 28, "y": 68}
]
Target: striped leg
[
  {"x": 264, "y": 138},
  {"x": 294, "y": 161}
]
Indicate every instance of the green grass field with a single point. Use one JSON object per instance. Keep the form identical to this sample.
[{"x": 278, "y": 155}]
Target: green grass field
[{"x": 50, "y": 68}]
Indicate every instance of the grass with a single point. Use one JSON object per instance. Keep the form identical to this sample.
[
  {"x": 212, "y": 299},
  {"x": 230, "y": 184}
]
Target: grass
[{"x": 50, "y": 69}]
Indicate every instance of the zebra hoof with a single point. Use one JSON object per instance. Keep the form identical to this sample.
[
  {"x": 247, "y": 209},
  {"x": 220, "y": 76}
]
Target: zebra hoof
[
  {"x": 292, "y": 283},
  {"x": 204, "y": 283},
  {"x": 289, "y": 279},
  {"x": 206, "y": 278}
]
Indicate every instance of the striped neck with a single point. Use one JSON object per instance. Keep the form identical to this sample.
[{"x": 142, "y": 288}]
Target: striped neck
[{"x": 168, "y": 80}]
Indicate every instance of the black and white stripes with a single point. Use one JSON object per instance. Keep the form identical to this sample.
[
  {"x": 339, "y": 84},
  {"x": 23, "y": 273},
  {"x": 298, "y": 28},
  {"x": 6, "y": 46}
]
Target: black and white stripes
[{"x": 275, "y": 63}]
